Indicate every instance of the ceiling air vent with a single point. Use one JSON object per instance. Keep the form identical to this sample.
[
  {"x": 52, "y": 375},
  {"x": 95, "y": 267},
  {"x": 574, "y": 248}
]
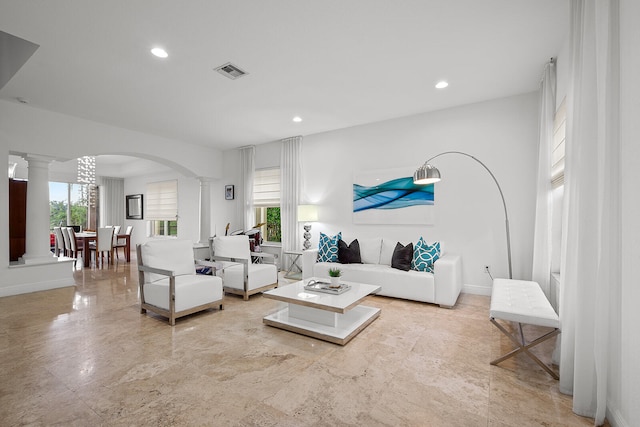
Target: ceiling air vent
[{"x": 230, "y": 70}]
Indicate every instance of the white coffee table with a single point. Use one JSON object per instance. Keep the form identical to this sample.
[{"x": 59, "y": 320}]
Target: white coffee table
[{"x": 333, "y": 318}]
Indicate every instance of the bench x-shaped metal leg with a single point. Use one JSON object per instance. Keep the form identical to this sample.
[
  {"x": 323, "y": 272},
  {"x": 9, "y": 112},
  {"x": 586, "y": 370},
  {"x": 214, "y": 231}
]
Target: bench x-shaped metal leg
[{"x": 523, "y": 347}]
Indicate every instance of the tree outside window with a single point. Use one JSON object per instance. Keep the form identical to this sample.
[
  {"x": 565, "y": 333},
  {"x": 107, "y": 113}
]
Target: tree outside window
[
  {"x": 68, "y": 204},
  {"x": 273, "y": 225}
]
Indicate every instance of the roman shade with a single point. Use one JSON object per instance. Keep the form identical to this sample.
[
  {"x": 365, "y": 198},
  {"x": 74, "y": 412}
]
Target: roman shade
[
  {"x": 162, "y": 200},
  {"x": 266, "y": 188}
]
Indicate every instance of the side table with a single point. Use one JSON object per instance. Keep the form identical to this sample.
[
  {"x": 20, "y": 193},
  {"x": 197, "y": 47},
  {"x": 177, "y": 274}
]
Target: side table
[{"x": 290, "y": 274}]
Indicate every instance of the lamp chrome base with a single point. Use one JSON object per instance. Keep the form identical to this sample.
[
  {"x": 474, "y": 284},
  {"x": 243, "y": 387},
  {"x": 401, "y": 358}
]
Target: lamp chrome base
[{"x": 307, "y": 237}]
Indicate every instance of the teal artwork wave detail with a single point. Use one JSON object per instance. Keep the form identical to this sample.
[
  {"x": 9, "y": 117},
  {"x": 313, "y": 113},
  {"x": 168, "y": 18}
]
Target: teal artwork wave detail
[{"x": 395, "y": 194}]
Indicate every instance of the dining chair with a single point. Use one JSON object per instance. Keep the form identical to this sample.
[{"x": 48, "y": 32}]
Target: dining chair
[
  {"x": 67, "y": 241},
  {"x": 116, "y": 231},
  {"x": 59, "y": 241},
  {"x": 103, "y": 243},
  {"x": 75, "y": 247},
  {"x": 122, "y": 243}
]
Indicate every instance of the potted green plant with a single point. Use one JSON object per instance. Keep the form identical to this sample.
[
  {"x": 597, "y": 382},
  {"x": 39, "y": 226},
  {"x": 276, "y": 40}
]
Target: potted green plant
[{"x": 334, "y": 274}]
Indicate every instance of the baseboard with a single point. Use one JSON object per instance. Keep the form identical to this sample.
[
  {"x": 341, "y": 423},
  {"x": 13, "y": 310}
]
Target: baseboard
[
  {"x": 26, "y": 278},
  {"x": 476, "y": 290},
  {"x": 615, "y": 418},
  {"x": 26, "y": 288}
]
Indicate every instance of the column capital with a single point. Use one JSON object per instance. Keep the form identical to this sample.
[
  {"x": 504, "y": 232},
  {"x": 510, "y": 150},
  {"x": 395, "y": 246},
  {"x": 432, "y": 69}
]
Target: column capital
[
  {"x": 38, "y": 158},
  {"x": 206, "y": 179}
]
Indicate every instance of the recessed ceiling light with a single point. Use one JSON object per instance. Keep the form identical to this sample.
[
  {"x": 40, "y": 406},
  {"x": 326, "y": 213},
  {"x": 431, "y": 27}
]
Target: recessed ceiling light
[
  {"x": 441, "y": 85},
  {"x": 159, "y": 52},
  {"x": 297, "y": 119}
]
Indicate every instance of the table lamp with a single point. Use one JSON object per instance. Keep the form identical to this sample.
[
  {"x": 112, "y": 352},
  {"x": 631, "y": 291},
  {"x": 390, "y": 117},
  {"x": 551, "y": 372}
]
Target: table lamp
[{"x": 307, "y": 214}]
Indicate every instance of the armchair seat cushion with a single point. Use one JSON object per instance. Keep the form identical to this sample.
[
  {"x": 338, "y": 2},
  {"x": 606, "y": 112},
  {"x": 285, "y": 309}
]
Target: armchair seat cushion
[
  {"x": 191, "y": 291},
  {"x": 259, "y": 276}
]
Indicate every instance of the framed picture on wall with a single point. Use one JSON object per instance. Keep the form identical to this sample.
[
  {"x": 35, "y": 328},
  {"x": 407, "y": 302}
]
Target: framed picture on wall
[
  {"x": 229, "y": 192},
  {"x": 134, "y": 206}
]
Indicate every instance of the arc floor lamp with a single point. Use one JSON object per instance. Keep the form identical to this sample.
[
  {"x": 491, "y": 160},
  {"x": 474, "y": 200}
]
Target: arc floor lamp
[{"x": 429, "y": 174}]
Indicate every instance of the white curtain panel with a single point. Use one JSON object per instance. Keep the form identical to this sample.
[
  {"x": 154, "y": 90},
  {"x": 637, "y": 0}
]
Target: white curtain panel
[
  {"x": 591, "y": 213},
  {"x": 247, "y": 159},
  {"x": 290, "y": 192},
  {"x": 541, "y": 272},
  {"x": 111, "y": 201}
]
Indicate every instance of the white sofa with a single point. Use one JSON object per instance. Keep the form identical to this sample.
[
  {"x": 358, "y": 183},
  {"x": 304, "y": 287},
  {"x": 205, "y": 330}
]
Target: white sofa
[{"x": 441, "y": 287}]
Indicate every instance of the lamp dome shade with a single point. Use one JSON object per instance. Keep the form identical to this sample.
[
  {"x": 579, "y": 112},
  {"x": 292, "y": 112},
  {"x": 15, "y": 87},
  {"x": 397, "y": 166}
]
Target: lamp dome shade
[{"x": 426, "y": 174}]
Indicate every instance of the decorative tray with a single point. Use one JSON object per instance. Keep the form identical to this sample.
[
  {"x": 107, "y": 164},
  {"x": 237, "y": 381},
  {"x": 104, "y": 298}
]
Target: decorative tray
[{"x": 322, "y": 286}]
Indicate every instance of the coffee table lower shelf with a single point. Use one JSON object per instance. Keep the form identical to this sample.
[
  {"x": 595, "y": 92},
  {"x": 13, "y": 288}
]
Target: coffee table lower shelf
[{"x": 345, "y": 326}]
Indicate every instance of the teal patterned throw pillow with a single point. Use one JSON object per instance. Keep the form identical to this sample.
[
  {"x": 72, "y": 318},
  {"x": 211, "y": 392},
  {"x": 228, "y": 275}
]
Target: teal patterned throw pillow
[
  {"x": 328, "y": 248},
  {"x": 425, "y": 255}
]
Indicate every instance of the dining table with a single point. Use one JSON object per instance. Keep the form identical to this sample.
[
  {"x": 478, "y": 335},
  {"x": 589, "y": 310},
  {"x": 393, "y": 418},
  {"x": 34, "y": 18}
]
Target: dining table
[{"x": 90, "y": 236}]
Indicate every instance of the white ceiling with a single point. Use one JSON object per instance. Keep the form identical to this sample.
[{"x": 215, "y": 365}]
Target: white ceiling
[{"x": 335, "y": 63}]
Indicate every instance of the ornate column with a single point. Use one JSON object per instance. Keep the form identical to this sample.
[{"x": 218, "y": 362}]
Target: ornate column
[
  {"x": 205, "y": 210},
  {"x": 37, "y": 243}
]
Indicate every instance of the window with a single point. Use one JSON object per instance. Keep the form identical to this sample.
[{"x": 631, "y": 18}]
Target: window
[
  {"x": 558, "y": 148},
  {"x": 162, "y": 208},
  {"x": 557, "y": 183},
  {"x": 266, "y": 200},
  {"x": 68, "y": 204},
  {"x": 163, "y": 228}
]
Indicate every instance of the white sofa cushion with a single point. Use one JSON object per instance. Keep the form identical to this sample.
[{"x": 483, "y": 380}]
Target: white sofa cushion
[
  {"x": 192, "y": 290},
  {"x": 168, "y": 254},
  {"x": 386, "y": 251},
  {"x": 370, "y": 250},
  {"x": 413, "y": 285}
]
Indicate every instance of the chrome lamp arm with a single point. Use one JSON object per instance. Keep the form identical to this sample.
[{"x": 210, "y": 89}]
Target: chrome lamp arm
[{"x": 428, "y": 169}]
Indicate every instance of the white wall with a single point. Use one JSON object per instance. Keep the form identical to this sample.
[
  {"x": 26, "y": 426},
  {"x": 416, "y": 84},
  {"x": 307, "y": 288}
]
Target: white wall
[
  {"x": 469, "y": 216},
  {"x": 469, "y": 213},
  {"x": 230, "y": 211},
  {"x": 188, "y": 198}
]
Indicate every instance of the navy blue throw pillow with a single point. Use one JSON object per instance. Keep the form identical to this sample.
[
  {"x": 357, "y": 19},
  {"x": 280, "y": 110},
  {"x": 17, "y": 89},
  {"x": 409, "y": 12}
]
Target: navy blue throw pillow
[
  {"x": 349, "y": 254},
  {"x": 402, "y": 257}
]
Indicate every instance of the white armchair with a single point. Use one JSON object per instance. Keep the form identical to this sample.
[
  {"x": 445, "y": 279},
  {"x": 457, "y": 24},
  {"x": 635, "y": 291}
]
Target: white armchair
[
  {"x": 247, "y": 278},
  {"x": 169, "y": 285}
]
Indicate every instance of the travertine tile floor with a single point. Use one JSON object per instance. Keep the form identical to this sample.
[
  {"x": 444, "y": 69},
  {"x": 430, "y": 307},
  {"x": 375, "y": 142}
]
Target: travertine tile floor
[{"x": 85, "y": 356}]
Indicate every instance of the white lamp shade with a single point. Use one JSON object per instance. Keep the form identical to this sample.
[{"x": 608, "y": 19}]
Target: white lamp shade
[{"x": 307, "y": 213}]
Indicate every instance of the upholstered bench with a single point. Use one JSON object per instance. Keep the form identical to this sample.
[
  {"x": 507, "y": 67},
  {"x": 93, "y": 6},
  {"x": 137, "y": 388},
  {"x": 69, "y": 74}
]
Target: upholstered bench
[{"x": 522, "y": 302}]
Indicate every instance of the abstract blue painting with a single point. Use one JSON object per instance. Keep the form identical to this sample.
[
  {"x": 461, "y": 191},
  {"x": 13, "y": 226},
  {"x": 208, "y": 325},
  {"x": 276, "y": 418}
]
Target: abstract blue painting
[{"x": 390, "y": 197}]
